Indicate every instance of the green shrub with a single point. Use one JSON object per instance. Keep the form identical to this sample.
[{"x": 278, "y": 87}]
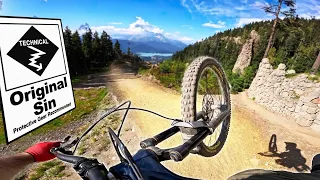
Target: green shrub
[
  {"x": 313, "y": 78},
  {"x": 240, "y": 82},
  {"x": 170, "y": 73},
  {"x": 291, "y": 75},
  {"x": 248, "y": 75},
  {"x": 168, "y": 79},
  {"x": 165, "y": 66},
  {"x": 143, "y": 70},
  {"x": 304, "y": 58}
]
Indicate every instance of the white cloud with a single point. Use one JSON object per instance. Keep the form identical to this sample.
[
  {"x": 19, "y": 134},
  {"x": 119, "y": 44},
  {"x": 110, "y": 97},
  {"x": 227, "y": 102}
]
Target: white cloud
[
  {"x": 115, "y": 23},
  {"x": 259, "y": 4},
  {"x": 245, "y": 11},
  {"x": 309, "y": 16},
  {"x": 45, "y": 0},
  {"x": 244, "y": 21},
  {"x": 119, "y": 31},
  {"x": 140, "y": 26},
  {"x": 184, "y": 4},
  {"x": 308, "y": 9},
  {"x": 137, "y": 27},
  {"x": 219, "y": 25},
  {"x": 241, "y": 8},
  {"x": 177, "y": 36},
  {"x": 206, "y": 9}
]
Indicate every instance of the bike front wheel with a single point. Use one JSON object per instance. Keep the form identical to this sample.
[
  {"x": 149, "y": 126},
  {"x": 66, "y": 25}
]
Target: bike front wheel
[{"x": 205, "y": 89}]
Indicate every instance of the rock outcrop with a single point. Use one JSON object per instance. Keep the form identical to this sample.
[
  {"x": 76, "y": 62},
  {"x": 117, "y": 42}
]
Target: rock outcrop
[
  {"x": 237, "y": 40},
  {"x": 245, "y": 56},
  {"x": 297, "y": 97}
]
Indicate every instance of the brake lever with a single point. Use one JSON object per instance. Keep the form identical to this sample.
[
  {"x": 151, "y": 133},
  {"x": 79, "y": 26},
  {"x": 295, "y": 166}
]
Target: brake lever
[{"x": 67, "y": 144}]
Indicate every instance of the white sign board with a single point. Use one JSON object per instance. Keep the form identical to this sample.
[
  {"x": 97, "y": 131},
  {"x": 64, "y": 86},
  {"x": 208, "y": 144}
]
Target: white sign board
[{"x": 34, "y": 78}]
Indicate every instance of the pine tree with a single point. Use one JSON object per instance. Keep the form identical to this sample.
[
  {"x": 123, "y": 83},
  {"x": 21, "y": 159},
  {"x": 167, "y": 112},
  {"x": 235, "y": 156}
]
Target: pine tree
[
  {"x": 77, "y": 53},
  {"x": 110, "y": 51},
  {"x": 87, "y": 48},
  {"x": 276, "y": 10},
  {"x": 129, "y": 52},
  {"x": 106, "y": 48},
  {"x": 117, "y": 50},
  {"x": 96, "y": 49},
  {"x": 68, "y": 46}
]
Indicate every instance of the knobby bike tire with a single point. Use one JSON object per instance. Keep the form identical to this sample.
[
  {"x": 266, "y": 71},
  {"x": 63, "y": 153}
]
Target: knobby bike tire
[{"x": 189, "y": 98}]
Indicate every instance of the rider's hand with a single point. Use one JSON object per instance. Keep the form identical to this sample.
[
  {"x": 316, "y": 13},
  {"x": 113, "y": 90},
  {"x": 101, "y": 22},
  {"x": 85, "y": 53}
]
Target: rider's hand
[{"x": 41, "y": 151}]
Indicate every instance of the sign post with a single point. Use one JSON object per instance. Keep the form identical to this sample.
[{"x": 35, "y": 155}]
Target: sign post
[{"x": 34, "y": 78}]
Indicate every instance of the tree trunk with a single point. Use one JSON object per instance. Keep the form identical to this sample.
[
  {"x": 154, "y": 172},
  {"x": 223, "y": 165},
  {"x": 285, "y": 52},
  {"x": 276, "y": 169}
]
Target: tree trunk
[
  {"x": 273, "y": 29},
  {"x": 316, "y": 65}
]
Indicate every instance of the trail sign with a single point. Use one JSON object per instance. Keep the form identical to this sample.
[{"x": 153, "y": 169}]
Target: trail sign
[
  {"x": 35, "y": 82},
  {"x": 30, "y": 44}
]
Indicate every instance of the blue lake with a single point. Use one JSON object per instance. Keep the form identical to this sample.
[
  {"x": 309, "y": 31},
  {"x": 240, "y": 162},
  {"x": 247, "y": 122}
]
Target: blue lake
[{"x": 153, "y": 54}]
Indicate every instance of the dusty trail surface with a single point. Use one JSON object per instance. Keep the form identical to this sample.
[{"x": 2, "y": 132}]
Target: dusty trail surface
[{"x": 247, "y": 144}]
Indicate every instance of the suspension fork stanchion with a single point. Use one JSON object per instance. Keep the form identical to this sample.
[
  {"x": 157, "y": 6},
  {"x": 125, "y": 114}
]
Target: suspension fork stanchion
[
  {"x": 159, "y": 137},
  {"x": 180, "y": 152},
  {"x": 215, "y": 123}
]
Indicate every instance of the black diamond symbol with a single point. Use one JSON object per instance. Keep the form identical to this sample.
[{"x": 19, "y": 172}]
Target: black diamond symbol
[{"x": 34, "y": 51}]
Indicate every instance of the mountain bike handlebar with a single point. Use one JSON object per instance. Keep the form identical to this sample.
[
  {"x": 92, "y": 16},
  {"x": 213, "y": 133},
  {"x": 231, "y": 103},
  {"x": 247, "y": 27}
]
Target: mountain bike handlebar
[
  {"x": 66, "y": 157},
  {"x": 89, "y": 169}
]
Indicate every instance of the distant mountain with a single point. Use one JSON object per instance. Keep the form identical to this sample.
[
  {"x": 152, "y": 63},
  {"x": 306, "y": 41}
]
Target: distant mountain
[
  {"x": 148, "y": 42},
  {"x": 147, "y": 36},
  {"x": 84, "y": 27},
  {"x": 178, "y": 44},
  {"x": 157, "y": 41}
]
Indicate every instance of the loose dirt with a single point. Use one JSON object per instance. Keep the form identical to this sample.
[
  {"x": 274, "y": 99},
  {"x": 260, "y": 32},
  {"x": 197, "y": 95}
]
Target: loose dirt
[{"x": 246, "y": 147}]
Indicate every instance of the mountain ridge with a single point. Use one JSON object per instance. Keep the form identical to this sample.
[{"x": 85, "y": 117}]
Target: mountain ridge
[{"x": 147, "y": 41}]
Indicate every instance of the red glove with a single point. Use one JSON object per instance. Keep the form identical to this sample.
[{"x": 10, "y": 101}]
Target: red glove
[{"x": 41, "y": 151}]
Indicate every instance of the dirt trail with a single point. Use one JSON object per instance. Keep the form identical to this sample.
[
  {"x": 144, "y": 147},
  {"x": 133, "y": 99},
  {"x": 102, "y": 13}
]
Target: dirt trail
[{"x": 250, "y": 131}]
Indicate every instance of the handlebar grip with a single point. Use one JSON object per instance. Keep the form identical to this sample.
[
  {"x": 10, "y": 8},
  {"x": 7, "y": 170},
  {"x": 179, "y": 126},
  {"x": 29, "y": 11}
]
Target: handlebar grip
[
  {"x": 87, "y": 168},
  {"x": 65, "y": 157}
]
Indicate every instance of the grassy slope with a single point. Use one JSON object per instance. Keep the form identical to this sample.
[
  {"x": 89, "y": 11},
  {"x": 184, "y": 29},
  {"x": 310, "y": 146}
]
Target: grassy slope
[{"x": 87, "y": 100}]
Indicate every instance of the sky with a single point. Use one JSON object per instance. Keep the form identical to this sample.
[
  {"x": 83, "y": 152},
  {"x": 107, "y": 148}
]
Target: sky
[{"x": 185, "y": 20}]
